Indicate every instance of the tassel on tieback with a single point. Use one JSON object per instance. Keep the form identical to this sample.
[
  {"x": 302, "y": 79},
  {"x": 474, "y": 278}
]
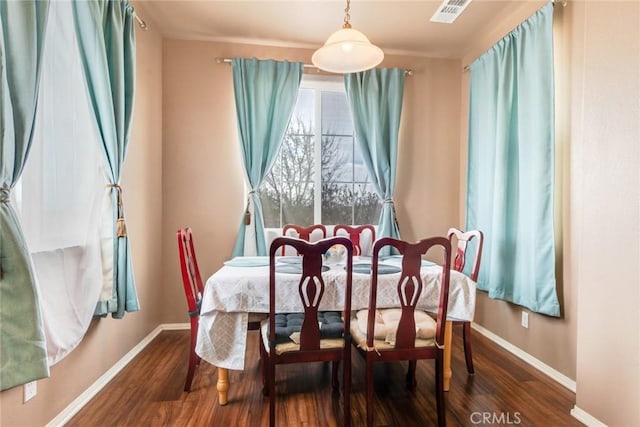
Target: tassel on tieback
[{"x": 121, "y": 227}]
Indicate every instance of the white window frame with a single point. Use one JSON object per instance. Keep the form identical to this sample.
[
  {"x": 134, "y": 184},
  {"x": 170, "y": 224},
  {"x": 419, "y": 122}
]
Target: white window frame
[
  {"x": 320, "y": 84},
  {"x": 326, "y": 84}
]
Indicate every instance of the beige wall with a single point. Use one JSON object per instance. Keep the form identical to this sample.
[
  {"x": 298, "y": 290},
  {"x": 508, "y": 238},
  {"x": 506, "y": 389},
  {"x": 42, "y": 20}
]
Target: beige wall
[
  {"x": 203, "y": 178},
  {"x": 597, "y": 339},
  {"x": 605, "y": 219},
  {"x": 108, "y": 339}
]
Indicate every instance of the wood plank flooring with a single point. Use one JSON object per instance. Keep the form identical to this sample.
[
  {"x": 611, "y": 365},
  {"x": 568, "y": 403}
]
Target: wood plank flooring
[{"x": 148, "y": 392}]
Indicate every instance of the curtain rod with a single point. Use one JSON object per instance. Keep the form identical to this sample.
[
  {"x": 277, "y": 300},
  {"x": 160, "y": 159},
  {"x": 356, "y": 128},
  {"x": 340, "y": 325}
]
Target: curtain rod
[
  {"x": 310, "y": 66},
  {"x": 562, "y": 3}
]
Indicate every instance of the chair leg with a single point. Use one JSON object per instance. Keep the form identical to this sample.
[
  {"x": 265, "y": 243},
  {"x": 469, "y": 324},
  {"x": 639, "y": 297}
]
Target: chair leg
[
  {"x": 369, "y": 386},
  {"x": 190, "y": 372},
  {"x": 346, "y": 385},
  {"x": 194, "y": 359},
  {"x": 411, "y": 375},
  {"x": 264, "y": 368},
  {"x": 466, "y": 338},
  {"x": 272, "y": 393},
  {"x": 442, "y": 421},
  {"x": 334, "y": 375}
]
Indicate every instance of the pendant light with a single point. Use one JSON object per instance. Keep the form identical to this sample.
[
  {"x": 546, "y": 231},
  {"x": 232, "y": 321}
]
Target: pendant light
[{"x": 347, "y": 50}]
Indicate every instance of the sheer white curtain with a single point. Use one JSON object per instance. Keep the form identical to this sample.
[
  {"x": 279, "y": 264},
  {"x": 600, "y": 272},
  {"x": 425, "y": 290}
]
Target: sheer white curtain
[{"x": 63, "y": 194}]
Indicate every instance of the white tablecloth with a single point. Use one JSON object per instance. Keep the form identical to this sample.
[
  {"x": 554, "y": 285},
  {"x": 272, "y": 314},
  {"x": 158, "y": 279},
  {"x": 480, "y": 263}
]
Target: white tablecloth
[{"x": 232, "y": 292}]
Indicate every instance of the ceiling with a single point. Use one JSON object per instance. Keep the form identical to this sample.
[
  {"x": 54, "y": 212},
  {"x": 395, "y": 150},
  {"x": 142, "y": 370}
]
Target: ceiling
[{"x": 398, "y": 27}]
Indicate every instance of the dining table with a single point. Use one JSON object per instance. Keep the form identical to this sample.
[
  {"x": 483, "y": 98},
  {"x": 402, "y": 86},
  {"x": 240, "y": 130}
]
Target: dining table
[{"x": 241, "y": 287}]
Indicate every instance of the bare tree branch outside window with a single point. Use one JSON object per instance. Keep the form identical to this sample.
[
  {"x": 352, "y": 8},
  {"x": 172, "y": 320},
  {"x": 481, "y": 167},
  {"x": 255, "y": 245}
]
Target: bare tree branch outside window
[{"x": 287, "y": 193}]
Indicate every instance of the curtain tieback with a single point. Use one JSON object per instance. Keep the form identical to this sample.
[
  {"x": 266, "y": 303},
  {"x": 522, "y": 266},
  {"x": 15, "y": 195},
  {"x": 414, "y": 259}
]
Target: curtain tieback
[
  {"x": 4, "y": 198},
  {"x": 121, "y": 227},
  {"x": 390, "y": 201},
  {"x": 247, "y": 214},
  {"x": 4, "y": 195}
]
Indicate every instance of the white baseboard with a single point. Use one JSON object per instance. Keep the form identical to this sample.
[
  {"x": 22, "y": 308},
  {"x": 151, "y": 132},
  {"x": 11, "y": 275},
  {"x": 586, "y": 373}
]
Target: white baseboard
[
  {"x": 542, "y": 367},
  {"x": 586, "y": 418},
  {"x": 63, "y": 417},
  {"x": 175, "y": 326}
]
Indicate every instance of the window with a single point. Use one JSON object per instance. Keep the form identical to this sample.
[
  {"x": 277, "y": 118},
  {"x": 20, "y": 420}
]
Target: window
[
  {"x": 319, "y": 176},
  {"x": 62, "y": 197}
]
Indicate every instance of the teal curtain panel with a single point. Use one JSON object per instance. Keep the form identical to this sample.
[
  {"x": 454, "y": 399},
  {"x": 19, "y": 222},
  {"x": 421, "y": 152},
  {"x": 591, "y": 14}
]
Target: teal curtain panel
[
  {"x": 265, "y": 94},
  {"x": 106, "y": 39},
  {"x": 510, "y": 180},
  {"x": 23, "y": 352},
  {"x": 375, "y": 98}
]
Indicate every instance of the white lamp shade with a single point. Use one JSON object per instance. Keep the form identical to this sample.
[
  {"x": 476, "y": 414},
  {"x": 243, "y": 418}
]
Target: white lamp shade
[{"x": 347, "y": 51}]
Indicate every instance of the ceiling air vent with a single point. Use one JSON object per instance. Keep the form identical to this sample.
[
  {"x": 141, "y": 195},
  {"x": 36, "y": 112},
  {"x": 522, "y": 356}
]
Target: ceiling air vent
[{"x": 449, "y": 10}]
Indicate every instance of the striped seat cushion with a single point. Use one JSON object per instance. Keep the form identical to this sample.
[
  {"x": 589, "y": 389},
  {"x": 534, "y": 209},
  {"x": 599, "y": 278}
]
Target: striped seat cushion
[{"x": 386, "y": 326}]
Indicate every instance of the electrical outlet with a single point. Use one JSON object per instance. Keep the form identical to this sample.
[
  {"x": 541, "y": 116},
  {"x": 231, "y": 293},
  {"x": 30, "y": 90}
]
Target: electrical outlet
[
  {"x": 525, "y": 319},
  {"x": 30, "y": 390}
]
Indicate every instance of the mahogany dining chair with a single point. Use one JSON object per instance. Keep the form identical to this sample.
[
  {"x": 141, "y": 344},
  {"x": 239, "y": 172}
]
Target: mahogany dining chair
[
  {"x": 462, "y": 240},
  {"x": 302, "y": 232},
  {"x": 355, "y": 235},
  {"x": 313, "y": 335},
  {"x": 405, "y": 333},
  {"x": 193, "y": 290}
]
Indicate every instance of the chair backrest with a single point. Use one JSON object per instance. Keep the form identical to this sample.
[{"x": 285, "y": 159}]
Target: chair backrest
[
  {"x": 311, "y": 286},
  {"x": 410, "y": 286},
  {"x": 354, "y": 235},
  {"x": 191, "y": 279},
  {"x": 462, "y": 246},
  {"x": 304, "y": 233}
]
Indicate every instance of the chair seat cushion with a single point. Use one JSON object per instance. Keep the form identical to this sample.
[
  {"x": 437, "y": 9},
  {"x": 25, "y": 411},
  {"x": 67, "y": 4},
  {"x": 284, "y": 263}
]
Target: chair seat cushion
[
  {"x": 256, "y": 317},
  {"x": 287, "y": 324},
  {"x": 386, "y": 326},
  {"x": 288, "y": 328}
]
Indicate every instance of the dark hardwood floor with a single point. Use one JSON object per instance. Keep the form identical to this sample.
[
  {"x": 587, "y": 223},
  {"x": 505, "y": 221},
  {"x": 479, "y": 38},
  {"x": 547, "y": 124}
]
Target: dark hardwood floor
[{"x": 148, "y": 392}]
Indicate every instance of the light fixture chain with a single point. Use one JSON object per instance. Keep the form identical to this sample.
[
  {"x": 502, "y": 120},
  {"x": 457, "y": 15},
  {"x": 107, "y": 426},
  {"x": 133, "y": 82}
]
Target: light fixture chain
[{"x": 347, "y": 17}]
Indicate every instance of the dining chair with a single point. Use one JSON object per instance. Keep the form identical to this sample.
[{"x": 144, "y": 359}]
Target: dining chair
[
  {"x": 303, "y": 233},
  {"x": 355, "y": 233},
  {"x": 193, "y": 290},
  {"x": 313, "y": 335},
  {"x": 462, "y": 240},
  {"x": 405, "y": 333}
]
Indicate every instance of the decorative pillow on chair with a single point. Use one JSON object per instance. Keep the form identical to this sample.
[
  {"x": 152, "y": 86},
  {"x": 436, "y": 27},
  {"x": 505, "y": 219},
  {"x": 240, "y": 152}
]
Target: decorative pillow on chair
[{"x": 387, "y": 324}]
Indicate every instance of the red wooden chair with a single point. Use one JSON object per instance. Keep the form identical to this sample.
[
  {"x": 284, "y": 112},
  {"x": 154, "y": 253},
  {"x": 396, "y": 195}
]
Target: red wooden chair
[
  {"x": 405, "y": 333},
  {"x": 325, "y": 342},
  {"x": 463, "y": 239},
  {"x": 304, "y": 233},
  {"x": 355, "y": 232},
  {"x": 193, "y": 290}
]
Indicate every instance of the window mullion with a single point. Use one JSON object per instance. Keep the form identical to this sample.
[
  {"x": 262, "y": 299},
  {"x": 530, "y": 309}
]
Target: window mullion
[
  {"x": 353, "y": 179},
  {"x": 317, "y": 181},
  {"x": 281, "y": 198}
]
